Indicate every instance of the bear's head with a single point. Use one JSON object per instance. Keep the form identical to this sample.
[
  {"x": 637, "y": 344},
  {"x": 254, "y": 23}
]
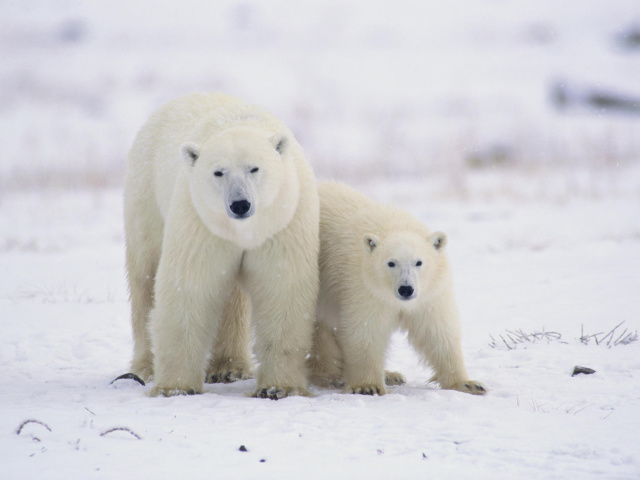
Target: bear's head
[
  {"x": 399, "y": 266},
  {"x": 238, "y": 175}
]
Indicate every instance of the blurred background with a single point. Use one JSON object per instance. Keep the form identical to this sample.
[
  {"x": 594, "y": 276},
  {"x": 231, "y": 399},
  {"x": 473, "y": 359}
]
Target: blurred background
[{"x": 441, "y": 92}]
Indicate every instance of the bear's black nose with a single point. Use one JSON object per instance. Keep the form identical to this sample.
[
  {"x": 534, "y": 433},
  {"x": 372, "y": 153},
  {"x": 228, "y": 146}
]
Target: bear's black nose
[
  {"x": 405, "y": 291},
  {"x": 240, "y": 207}
]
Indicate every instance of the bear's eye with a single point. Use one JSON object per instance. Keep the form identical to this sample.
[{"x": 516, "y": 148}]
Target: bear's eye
[
  {"x": 418, "y": 263},
  {"x": 218, "y": 173},
  {"x": 254, "y": 169},
  {"x": 391, "y": 264}
]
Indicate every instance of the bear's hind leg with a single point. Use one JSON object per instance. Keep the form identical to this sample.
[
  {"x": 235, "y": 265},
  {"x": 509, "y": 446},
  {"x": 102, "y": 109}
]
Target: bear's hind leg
[
  {"x": 394, "y": 378},
  {"x": 231, "y": 355},
  {"x": 143, "y": 246},
  {"x": 326, "y": 360}
]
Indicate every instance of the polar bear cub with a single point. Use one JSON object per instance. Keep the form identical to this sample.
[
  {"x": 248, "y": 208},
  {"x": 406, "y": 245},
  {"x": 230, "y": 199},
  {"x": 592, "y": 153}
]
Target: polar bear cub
[
  {"x": 380, "y": 270},
  {"x": 221, "y": 222}
]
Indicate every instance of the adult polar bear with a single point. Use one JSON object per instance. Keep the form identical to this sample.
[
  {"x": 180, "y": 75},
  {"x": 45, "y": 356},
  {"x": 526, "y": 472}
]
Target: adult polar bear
[
  {"x": 381, "y": 269},
  {"x": 221, "y": 221}
]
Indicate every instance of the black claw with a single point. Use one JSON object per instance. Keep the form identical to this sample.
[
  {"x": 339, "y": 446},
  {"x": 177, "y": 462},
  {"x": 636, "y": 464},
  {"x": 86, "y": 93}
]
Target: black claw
[
  {"x": 128, "y": 376},
  {"x": 243, "y": 448}
]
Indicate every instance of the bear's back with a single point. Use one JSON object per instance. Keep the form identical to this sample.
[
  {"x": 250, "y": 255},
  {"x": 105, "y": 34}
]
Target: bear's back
[{"x": 346, "y": 215}]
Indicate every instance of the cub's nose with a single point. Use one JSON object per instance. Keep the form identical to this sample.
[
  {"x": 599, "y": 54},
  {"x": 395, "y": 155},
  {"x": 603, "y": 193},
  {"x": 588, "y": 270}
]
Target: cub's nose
[
  {"x": 405, "y": 291},
  {"x": 240, "y": 207}
]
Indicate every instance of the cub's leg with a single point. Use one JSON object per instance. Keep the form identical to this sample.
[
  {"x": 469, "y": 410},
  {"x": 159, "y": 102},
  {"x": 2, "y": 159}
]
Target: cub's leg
[
  {"x": 364, "y": 338},
  {"x": 435, "y": 334}
]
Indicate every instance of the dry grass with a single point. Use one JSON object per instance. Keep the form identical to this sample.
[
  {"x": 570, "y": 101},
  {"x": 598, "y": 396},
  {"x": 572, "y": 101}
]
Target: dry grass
[{"x": 512, "y": 339}]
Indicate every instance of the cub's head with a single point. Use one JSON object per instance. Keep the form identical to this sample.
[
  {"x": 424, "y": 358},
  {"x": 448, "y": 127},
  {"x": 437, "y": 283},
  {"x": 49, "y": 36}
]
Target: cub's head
[
  {"x": 403, "y": 265},
  {"x": 238, "y": 175}
]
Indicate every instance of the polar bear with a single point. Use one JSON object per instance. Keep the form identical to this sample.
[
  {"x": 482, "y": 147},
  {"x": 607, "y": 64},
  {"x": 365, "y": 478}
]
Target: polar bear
[
  {"x": 380, "y": 270},
  {"x": 221, "y": 219}
]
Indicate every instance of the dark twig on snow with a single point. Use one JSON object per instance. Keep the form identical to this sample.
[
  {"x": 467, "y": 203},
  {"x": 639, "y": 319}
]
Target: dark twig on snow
[
  {"x": 121, "y": 429},
  {"x": 584, "y": 370},
  {"x": 26, "y": 422},
  {"x": 128, "y": 376}
]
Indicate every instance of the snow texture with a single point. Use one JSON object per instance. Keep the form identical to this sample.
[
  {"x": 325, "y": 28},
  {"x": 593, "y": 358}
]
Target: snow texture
[{"x": 441, "y": 109}]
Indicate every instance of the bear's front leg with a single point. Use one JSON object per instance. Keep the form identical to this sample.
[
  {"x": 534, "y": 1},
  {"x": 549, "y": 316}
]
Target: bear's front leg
[
  {"x": 435, "y": 334},
  {"x": 363, "y": 339},
  {"x": 194, "y": 281},
  {"x": 283, "y": 285}
]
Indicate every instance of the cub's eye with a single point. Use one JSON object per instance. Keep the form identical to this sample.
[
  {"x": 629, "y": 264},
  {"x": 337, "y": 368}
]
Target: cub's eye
[
  {"x": 254, "y": 169},
  {"x": 218, "y": 173},
  {"x": 418, "y": 263},
  {"x": 391, "y": 264}
]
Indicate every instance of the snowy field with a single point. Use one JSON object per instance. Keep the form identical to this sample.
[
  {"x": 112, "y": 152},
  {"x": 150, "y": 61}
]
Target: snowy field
[{"x": 444, "y": 110}]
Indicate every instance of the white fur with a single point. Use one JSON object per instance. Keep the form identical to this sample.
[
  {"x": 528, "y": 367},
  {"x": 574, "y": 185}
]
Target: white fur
[
  {"x": 221, "y": 220},
  {"x": 370, "y": 255}
]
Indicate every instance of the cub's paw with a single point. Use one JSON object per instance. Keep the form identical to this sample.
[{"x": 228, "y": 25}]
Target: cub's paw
[
  {"x": 470, "y": 386},
  {"x": 278, "y": 393},
  {"x": 394, "y": 378},
  {"x": 228, "y": 376},
  {"x": 160, "y": 391},
  {"x": 368, "y": 389}
]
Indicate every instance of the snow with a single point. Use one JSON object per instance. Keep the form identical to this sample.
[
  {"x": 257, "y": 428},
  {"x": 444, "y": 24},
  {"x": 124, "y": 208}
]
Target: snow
[
  {"x": 517, "y": 265},
  {"x": 443, "y": 110}
]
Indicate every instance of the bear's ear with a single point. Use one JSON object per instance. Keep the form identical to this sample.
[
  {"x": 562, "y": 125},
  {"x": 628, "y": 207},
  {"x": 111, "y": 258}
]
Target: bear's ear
[
  {"x": 190, "y": 153},
  {"x": 370, "y": 242},
  {"x": 438, "y": 240},
  {"x": 280, "y": 143}
]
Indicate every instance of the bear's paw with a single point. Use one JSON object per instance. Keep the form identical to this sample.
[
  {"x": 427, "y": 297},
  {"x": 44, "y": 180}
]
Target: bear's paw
[
  {"x": 470, "y": 386},
  {"x": 160, "y": 391},
  {"x": 367, "y": 389},
  {"x": 394, "y": 378},
  {"x": 228, "y": 372},
  {"x": 278, "y": 393}
]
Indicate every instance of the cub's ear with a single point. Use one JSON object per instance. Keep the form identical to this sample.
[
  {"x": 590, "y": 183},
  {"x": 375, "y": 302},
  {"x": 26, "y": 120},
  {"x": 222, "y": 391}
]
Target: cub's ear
[
  {"x": 280, "y": 143},
  {"x": 370, "y": 242},
  {"x": 438, "y": 240},
  {"x": 190, "y": 153}
]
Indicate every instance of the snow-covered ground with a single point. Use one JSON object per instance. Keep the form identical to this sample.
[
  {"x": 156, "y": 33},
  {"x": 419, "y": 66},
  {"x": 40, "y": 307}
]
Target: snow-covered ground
[
  {"x": 442, "y": 109},
  {"x": 569, "y": 267}
]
